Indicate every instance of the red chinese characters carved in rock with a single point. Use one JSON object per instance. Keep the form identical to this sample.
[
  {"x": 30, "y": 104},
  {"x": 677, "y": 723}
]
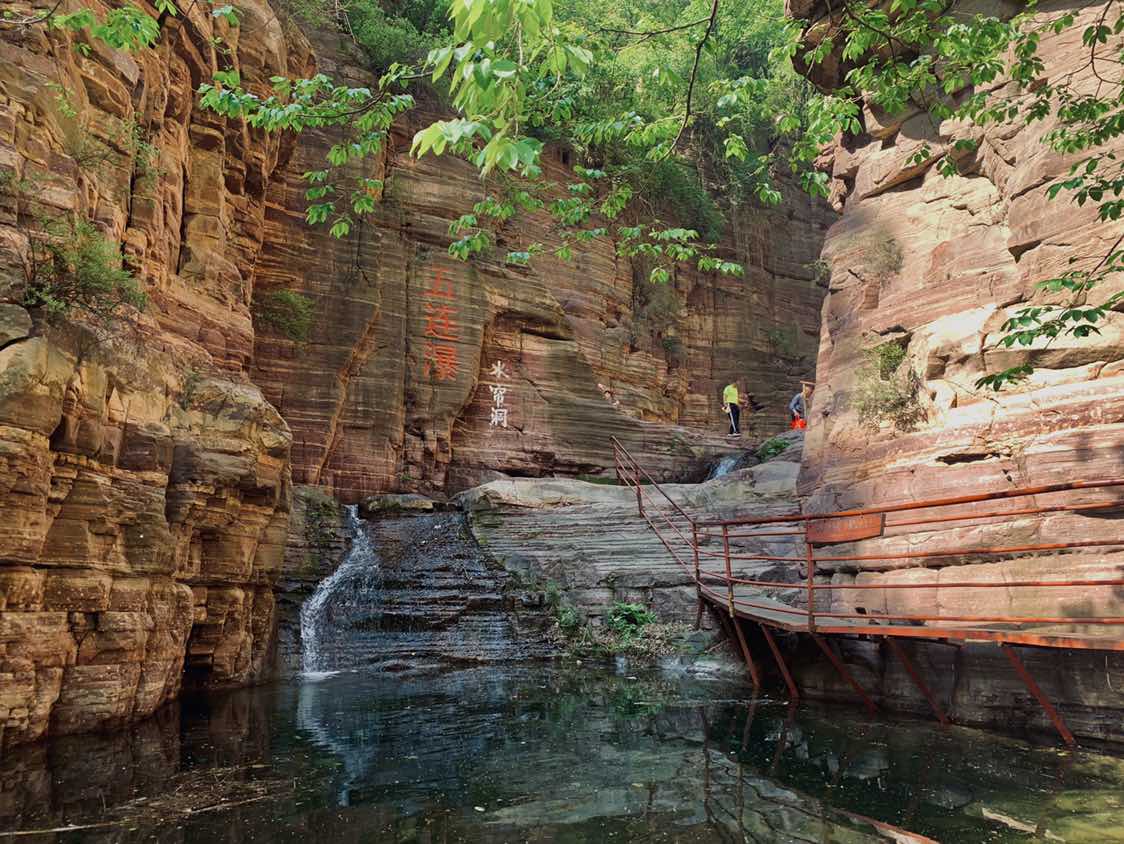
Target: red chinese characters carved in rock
[{"x": 441, "y": 333}]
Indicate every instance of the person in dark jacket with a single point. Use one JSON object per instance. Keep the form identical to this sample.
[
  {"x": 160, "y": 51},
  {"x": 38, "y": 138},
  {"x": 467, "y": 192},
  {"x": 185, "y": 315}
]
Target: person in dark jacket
[{"x": 796, "y": 407}]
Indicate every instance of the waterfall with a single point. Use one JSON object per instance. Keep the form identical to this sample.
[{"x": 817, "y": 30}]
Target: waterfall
[
  {"x": 314, "y": 611},
  {"x": 724, "y": 466}
]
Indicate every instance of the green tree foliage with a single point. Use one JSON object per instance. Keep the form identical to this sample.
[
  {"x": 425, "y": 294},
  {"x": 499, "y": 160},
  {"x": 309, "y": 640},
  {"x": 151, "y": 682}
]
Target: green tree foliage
[
  {"x": 702, "y": 85},
  {"x": 516, "y": 74}
]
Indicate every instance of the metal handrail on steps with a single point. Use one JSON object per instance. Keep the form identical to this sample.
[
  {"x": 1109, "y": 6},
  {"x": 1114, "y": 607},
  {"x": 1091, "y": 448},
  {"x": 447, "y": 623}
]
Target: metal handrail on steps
[{"x": 847, "y": 544}]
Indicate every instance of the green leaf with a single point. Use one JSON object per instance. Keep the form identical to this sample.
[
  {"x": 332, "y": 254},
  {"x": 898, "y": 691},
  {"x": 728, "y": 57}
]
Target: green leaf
[
  {"x": 341, "y": 228},
  {"x": 227, "y": 13},
  {"x": 504, "y": 68}
]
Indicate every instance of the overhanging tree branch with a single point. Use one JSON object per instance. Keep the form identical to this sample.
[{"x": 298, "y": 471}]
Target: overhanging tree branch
[
  {"x": 694, "y": 76},
  {"x": 652, "y": 33}
]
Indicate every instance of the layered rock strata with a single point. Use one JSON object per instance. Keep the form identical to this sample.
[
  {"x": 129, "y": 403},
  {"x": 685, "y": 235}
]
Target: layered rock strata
[
  {"x": 926, "y": 268},
  {"x": 425, "y": 595},
  {"x": 587, "y": 542},
  {"x": 144, "y": 481},
  {"x": 935, "y": 265},
  {"x": 540, "y": 366},
  {"x": 147, "y": 479}
]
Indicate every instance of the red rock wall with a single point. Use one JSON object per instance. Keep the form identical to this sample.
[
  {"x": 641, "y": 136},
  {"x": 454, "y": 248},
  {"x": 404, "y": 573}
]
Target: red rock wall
[
  {"x": 973, "y": 248},
  {"x": 144, "y": 481},
  {"x": 368, "y": 414}
]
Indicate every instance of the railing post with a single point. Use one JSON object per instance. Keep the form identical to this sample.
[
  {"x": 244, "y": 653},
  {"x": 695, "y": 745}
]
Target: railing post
[
  {"x": 695, "y": 546},
  {"x": 729, "y": 571},
  {"x": 810, "y": 557}
]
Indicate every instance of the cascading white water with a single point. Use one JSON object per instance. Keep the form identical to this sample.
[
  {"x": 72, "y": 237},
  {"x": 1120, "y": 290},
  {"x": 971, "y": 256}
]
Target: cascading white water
[
  {"x": 724, "y": 467},
  {"x": 361, "y": 556}
]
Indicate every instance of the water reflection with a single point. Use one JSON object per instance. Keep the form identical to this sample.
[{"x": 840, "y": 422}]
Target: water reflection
[{"x": 543, "y": 754}]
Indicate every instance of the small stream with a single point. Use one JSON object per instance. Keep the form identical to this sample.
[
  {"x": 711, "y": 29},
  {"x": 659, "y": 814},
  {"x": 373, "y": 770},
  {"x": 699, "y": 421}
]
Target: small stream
[
  {"x": 724, "y": 466},
  {"x": 548, "y": 753},
  {"x": 354, "y": 586},
  {"x": 414, "y": 591}
]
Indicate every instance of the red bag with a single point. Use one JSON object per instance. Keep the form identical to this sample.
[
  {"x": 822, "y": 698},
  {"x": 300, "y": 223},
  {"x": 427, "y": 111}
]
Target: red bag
[{"x": 798, "y": 423}]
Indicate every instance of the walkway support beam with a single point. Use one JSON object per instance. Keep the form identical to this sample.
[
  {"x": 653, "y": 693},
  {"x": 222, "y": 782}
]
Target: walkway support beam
[
  {"x": 729, "y": 572},
  {"x": 810, "y": 562},
  {"x": 793, "y": 694},
  {"x": 844, "y": 673},
  {"x": 749, "y": 663},
  {"x": 915, "y": 676},
  {"x": 1039, "y": 695}
]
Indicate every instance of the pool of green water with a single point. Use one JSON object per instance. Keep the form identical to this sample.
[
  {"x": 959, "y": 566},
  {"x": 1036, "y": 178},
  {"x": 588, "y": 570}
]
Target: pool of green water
[{"x": 544, "y": 753}]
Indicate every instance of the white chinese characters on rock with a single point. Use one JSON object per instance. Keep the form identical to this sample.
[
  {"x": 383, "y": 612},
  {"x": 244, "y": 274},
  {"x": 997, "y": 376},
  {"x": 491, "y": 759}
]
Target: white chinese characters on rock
[{"x": 499, "y": 416}]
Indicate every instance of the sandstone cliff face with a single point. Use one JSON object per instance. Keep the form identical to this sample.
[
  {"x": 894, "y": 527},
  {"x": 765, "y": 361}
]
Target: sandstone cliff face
[
  {"x": 367, "y": 412},
  {"x": 972, "y": 249},
  {"x": 145, "y": 479},
  {"x": 144, "y": 492}
]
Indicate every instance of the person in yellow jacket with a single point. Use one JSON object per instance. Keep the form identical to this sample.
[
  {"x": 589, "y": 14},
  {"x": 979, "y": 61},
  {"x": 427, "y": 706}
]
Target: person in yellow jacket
[{"x": 732, "y": 405}]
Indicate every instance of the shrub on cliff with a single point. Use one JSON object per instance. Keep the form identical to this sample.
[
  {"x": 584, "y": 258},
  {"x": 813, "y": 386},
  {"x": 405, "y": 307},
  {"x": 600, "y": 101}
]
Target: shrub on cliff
[
  {"x": 404, "y": 34},
  {"x": 627, "y": 620},
  {"x": 681, "y": 191},
  {"x": 388, "y": 33},
  {"x": 286, "y": 312},
  {"x": 675, "y": 353},
  {"x": 771, "y": 448},
  {"x": 888, "y": 390},
  {"x": 881, "y": 253},
  {"x": 74, "y": 271}
]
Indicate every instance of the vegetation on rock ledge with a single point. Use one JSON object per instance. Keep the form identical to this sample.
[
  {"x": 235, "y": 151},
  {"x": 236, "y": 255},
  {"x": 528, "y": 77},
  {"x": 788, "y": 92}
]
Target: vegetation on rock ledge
[
  {"x": 73, "y": 270},
  {"x": 771, "y": 448},
  {"x": 888, "y": 390},
  {"x": 287, "y": 312},
  {"x": 628, "y": 629}
]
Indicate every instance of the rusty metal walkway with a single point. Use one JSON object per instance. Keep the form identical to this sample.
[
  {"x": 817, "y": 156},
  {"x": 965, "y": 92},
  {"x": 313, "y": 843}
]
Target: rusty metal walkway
[{"x": 887, "y": 572}]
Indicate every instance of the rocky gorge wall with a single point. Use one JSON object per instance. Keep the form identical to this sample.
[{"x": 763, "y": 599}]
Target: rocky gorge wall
[
  {"x": 933, "y": 266},
  {"x": 144, "y": 481},
  {"x": 368, "y": 412},
  {"x": 972, "y": 249},
  {"x": 145, "y": 477}
]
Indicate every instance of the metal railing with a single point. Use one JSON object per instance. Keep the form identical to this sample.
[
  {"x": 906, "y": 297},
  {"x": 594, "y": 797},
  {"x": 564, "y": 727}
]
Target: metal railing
[{"x": 878, "y": 540}]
